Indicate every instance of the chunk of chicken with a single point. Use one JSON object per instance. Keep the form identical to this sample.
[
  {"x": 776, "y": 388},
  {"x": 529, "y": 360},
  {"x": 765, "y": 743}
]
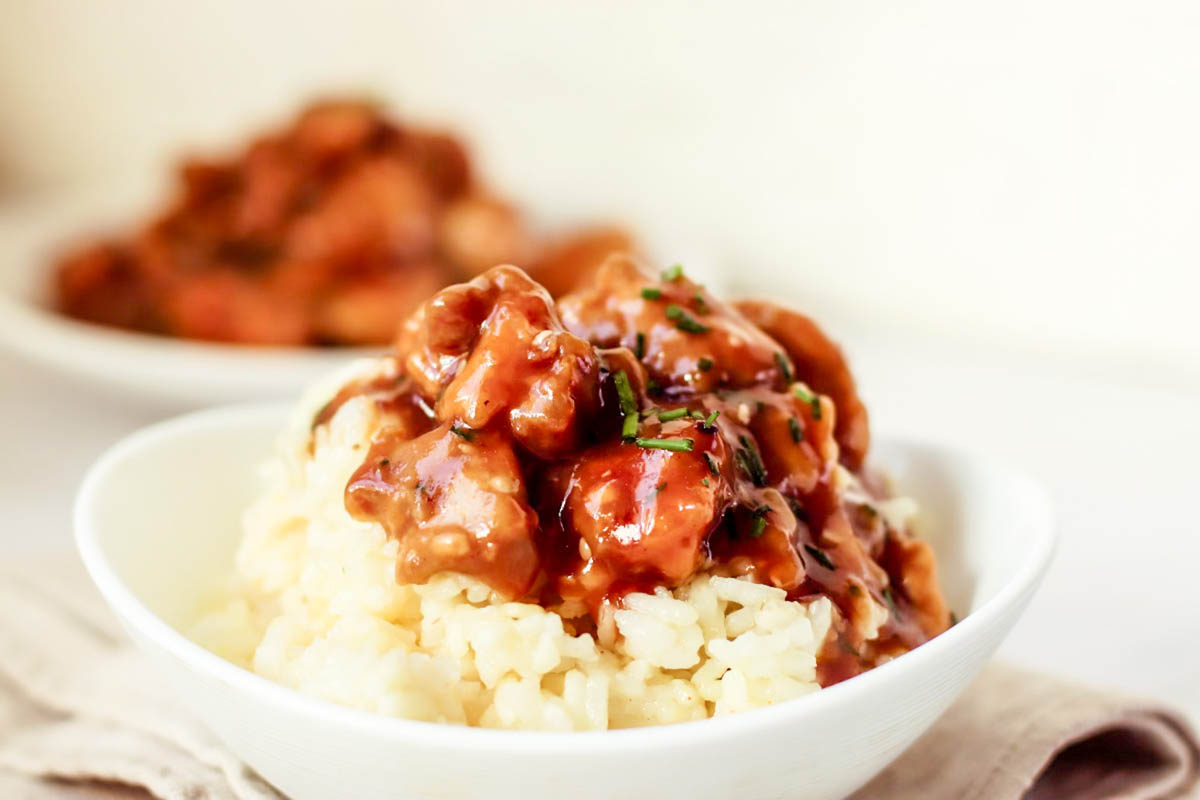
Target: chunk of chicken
[
  {"x": 689, "y": 341},
  {"x": 638, "y": 515},
  {"x": 573, "y": 260},
  {"x": 380, "y": 208},
  {"x": 453, "y": 499},
  {"x": 494, "y": 349},
  {"x": 819, "y": 363},
  {"x": 476, "y": 233}
]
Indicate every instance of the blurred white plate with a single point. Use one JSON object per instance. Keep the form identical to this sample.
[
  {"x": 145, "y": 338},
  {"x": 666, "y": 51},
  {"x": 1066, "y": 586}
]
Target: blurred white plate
[
  {"x": 177, "y": 372},
  {"x": 174, "y": 372}
]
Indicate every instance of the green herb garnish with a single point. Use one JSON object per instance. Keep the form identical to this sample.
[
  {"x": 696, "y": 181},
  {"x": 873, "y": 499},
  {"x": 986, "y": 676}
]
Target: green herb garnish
[
  {"x": 712, "y": 418},
  {"x": 653, "y": 386},
  {"x": 797, "y": 431},
  {"x": 704, "y": 481},
  {"x": 953, "y": 619},
  {"x": 821, "y": 556},
  {"x": 629, "y": 426},
  {"x": 673, "y": 272},
  {"x": 625, "y": 393},
  {"x": 651, "y": 293},
  {"x": 713, "y": 466},
  {"x": 700, "y": 303},
  {"x": 383, "y": 462},
  {"x": 675, "y": 413},
  {"x": 625, "y": 397},
  {"x": 759, "y": 525},
  {"x": 751, "y": 462},
  {"x": 805, "y": 396},
  {"x": 639, "y": 349},
  {"x": 678, "y": 445},
  {"x": 705, "y": 364},
  {"x": 891, "y": 601},
  {"x": 683, "y": 322},
  {"x": 854, "y": 590},
  {"x": 466, "y": 434},
  {"x": 784, "y": 369}
]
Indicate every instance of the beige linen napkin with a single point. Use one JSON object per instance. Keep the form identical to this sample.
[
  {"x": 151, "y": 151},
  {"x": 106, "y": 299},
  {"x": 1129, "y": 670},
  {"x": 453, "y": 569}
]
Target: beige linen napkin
[{"x": 81, "y": 715}]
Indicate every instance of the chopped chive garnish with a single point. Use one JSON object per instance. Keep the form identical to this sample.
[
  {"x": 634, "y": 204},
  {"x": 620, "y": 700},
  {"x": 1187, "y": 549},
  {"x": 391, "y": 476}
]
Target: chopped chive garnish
[
  {"x": 625, "y": 393},
  {"x": 675, "y": 413},
  {"x": 639, "y": 349},
  {"x": 820, "y": 555},
  {"x": 678, "y": 445},
  {"x": 814, "y": 401},
  {"x": 704, "y": 482},
  {"x": 760, "y": 521},
  {"x": 891, "y": 601},
  {"x": 797, "y": 431},
  {"x": 660, "y": 487},
  {"x": 713, "y": 467},
  {"x": 751, "y": 463},
  {"x": 784, "y": 368},
  {"x": 683, "y": 322},
  {"x": 800, "y": 511},
  {"x": 953, "y": 619},
  {"x": 650, "y": 412},
  {"x": 629, "y": 427},
  {"x": 700, "y": 303},
  {"x": 653, "y": 386},
  {"x": 651, "y": 293},
  {"x": 673, "y": 272},
  {"x": 464, "y": 433},
  {"x": 383, "y": 462},
  {"x": 705, "y": 364},
  {"x": 854, "y": 590},
  {"x": 708, "y": 423},
  {"x": 696, "y": 414}
]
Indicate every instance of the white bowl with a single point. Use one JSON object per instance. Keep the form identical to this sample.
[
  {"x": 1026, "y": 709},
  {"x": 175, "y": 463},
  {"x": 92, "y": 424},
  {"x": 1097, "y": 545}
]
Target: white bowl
[
  {"x": 174, "y": 372},
  {"x": 157, "y": 521}
]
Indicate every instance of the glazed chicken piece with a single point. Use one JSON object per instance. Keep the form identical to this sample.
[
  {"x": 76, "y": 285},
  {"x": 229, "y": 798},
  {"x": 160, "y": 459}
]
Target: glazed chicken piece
[
  {"x": 572, "y": 261},
  {"x": 494, "y": 349},
  {"x": 690, "y": 342},
  {"x": 820, "y": 364},
  {"x": 633, "y": 516},
  {"x": 453, "y": 499},
  {"x": 476, "y": 233}
]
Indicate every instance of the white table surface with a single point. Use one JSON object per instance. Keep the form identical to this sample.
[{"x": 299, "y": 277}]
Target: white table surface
[{"x": 1116, "y": 446}]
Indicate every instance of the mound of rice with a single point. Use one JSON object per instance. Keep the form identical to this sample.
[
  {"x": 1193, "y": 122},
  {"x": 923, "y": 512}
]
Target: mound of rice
[{"x": 316, "y": 606}]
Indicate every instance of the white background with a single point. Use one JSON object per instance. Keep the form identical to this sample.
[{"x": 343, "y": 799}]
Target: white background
[{"x": 993, "y": 204}]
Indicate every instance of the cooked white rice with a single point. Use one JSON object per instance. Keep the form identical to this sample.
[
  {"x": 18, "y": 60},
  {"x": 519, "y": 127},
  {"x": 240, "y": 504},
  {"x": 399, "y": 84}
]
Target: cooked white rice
[{"x": 316, "y": 606}]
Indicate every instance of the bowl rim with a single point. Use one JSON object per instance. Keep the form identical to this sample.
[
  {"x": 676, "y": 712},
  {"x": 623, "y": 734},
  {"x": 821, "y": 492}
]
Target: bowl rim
[{"x": 1037, "y": 515}]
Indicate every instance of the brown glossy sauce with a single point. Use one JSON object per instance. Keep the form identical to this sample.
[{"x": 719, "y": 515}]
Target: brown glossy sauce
[{"x": 501, "y": 455}]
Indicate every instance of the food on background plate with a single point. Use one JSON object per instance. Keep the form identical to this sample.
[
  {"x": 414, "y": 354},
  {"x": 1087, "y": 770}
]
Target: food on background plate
[
  {"x": 636, "y": 505},
  {"x": 323, "y": 233}
]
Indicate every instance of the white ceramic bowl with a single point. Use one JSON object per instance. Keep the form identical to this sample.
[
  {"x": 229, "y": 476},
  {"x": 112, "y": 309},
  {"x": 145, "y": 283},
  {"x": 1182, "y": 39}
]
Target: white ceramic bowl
[{"x": 157, "y": 520}]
